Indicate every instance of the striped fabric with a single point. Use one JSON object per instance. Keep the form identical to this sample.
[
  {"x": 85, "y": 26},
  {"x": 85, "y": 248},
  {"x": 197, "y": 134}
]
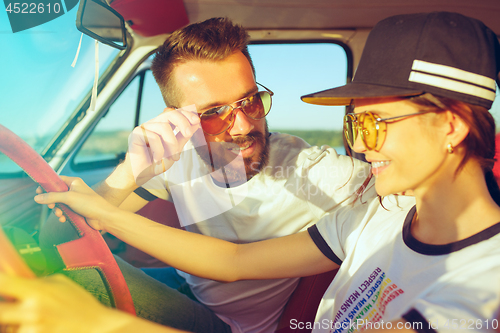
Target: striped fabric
[{"x": 453, "y": 79}]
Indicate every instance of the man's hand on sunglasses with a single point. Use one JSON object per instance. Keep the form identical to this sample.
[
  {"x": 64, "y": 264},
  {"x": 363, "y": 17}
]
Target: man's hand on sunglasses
[{"x": 154, "y": 146}]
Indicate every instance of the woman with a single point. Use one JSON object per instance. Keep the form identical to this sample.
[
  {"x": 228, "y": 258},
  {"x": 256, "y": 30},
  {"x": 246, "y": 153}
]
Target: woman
[{"x": 420, "y": 97}]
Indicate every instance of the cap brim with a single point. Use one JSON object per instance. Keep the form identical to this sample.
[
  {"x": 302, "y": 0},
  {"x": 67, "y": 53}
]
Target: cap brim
[{"x": 345, "y": 94}]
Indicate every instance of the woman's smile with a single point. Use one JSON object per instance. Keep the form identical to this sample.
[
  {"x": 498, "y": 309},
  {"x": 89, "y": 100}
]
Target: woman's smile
[{"x": 379, "y": 166}]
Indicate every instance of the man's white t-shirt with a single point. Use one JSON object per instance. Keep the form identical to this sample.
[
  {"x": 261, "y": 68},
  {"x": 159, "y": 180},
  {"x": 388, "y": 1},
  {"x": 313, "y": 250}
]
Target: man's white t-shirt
[
  {"x": 386, "y": 274},
  {"x": 299, "y": 185}
]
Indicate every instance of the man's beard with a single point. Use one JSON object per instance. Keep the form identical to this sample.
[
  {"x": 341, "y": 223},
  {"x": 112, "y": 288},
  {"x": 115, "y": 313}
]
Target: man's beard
[{"x": 219, "y": 156}]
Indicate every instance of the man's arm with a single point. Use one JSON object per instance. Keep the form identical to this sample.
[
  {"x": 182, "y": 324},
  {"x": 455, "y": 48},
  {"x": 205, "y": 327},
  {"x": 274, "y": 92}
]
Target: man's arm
[
  {"x": 118, "y": 189},
  {"x": 133, "y": 203},
  {"x": 153, "y": 148},
  {"x": 119, "y": 185}
]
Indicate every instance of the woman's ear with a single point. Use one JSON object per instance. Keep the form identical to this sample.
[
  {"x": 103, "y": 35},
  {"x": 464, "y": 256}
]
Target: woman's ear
[{"x": 457, "y": 129}]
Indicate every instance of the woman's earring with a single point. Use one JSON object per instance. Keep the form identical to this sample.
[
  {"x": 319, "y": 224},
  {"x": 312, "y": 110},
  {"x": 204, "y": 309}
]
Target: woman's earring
[{"x": 450, "y": 148}]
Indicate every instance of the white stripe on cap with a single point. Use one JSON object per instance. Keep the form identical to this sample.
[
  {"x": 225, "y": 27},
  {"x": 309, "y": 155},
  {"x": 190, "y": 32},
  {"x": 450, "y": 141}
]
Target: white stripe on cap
[{"x": 470, "y": 83}]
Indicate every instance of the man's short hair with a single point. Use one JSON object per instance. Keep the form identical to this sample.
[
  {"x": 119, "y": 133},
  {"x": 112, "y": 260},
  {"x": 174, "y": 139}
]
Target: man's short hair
[{"x": 214, "y": 39}]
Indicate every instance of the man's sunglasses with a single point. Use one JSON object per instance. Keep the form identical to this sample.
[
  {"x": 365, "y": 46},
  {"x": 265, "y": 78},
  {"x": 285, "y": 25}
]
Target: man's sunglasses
[
  {"x": 370, "y": 127},
  {"x": 217, "y": 120}
]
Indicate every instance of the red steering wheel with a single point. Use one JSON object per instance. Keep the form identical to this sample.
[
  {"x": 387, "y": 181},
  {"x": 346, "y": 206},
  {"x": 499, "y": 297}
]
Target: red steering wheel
[{"x": 89, "y": 251}]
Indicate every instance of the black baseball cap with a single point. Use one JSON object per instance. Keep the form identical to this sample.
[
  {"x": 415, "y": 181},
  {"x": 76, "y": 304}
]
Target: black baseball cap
[{"x": 441, "y": 53}]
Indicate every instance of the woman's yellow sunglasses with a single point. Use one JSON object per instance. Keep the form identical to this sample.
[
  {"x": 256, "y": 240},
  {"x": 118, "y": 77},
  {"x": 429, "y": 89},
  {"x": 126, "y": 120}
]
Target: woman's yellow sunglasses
[{"x": 370, "y": 127}]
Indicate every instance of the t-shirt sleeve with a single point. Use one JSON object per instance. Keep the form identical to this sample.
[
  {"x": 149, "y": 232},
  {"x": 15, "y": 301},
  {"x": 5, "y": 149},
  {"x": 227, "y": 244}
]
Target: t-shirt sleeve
[
  {"x": 145, "y": 194},
  {"x": 331, "y": 180},
  {"x": 154, "y": 188},
  {"x": 322, "y": 245},
  {"x": 340, "y": 229}
]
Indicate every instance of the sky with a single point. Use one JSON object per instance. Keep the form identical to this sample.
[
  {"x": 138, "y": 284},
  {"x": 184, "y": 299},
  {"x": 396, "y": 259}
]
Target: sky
[
  {"x": 39, "y": 87},
  {"x": 293, "y": 70}
]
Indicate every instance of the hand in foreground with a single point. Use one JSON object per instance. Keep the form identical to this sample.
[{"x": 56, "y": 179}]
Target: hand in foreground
[
  {"x": 155, "y": 146},
  {"x": 54, "y": 304},
  {"x": 80, "y": 198}
]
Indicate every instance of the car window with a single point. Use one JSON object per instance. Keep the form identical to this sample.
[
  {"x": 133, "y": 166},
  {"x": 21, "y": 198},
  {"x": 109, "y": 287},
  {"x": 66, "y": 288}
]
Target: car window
[
  {"x": 108, "y": 140},
  {"x": 40, "y": 88},
  {"x": 293, "y": 70},
  {"x": 152, "y": 103},
  {"x": 283, "y": 68},
  {"x": 139, "y": 102}
]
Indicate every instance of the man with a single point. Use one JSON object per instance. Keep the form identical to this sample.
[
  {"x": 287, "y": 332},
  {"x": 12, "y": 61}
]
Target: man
[{"x": 231, "y": 179}]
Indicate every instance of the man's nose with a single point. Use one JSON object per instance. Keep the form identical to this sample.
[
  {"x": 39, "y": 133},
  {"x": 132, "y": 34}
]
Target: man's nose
[{"x": 242, "y": 124}]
